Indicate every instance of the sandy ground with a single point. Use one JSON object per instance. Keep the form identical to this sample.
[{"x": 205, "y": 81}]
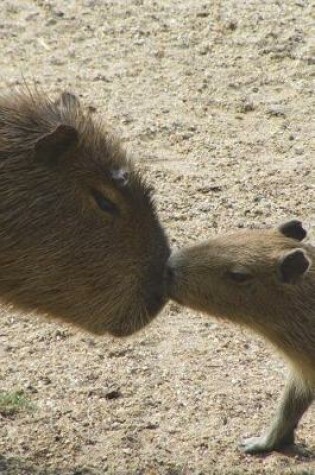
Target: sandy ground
[{"x": 216, "y": 99}]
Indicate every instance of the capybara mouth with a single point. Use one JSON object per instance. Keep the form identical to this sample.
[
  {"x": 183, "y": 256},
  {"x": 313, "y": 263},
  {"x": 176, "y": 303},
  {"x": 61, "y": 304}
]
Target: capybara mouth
[{"x": 134, "y": 322}]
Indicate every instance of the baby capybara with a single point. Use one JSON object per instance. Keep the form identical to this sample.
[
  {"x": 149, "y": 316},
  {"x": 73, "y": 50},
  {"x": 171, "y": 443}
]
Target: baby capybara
[
  {"x": 79, "y": 236},
  {"x": 265, "y": 280}
]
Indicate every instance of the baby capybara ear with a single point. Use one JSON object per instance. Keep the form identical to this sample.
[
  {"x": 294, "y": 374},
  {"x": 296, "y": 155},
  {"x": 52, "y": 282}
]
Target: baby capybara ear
[
  {"x": 52, "y": 146},
  {"x": 293, "y": 266},
  {"x": 293, "y": 229}
]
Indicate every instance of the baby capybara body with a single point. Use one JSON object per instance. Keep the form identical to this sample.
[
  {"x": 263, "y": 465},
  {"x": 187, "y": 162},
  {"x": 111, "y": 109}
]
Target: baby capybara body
[
  {"x": 79, "y": 236},
  {"x": 265, "y": 280}
]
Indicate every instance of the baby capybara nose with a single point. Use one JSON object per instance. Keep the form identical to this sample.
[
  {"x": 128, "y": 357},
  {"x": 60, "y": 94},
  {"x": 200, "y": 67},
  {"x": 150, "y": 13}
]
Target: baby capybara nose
[{"x": 171, "y": 275}]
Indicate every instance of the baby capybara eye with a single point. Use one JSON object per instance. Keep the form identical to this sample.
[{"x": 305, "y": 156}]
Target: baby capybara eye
[{"x": 239, "y": 277}]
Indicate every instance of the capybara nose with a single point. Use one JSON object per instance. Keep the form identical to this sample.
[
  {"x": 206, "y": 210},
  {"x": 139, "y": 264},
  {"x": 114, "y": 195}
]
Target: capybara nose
[
  {"x": 170, "y": 274},
  {"x": 155, "y": 303}
]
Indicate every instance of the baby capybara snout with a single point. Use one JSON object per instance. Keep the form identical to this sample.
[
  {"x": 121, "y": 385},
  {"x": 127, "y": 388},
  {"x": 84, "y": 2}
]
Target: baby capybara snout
[{"x": 79, "y": 235}]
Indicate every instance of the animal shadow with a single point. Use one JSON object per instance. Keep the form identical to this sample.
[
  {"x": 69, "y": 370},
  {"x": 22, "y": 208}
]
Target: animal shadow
[
  {"x": 19, "y": 466},
  {"x": 299, "y": 451}
]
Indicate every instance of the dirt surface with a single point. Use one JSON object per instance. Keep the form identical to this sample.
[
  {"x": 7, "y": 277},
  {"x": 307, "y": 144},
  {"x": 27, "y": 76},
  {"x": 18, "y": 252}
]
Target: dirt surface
[{"x": 216, "y": 100}]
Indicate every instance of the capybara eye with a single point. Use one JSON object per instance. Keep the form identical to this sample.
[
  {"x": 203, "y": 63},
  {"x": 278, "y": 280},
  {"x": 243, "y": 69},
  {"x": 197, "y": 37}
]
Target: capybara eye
[
  {"x": 239, "y": 276},
  {"x": 104, "y": 203}
]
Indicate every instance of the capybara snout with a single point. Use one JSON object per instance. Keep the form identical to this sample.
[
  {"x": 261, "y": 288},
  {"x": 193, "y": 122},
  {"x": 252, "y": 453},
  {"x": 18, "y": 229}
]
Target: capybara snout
[{"x": 79, "y": 234}]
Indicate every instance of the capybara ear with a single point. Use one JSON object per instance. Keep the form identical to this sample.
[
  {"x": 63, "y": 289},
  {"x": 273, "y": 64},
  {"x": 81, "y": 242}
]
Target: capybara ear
[
  {"x": 293, "y": 266},
  {"x": 52, "y": 146},
  {"x": 293, "y": 229},
  {"x": 68, "y": 100}
]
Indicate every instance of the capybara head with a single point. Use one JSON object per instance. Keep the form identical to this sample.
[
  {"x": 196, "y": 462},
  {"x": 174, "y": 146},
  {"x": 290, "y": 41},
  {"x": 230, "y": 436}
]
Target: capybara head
[
  {"x": 248, "y": 276},
  {"x": 79, "y": 235}
]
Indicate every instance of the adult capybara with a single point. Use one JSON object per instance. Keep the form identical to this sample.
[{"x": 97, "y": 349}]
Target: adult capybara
[
  {"x": 265, "y": 280},
  {"x": 79, "y": 236}
]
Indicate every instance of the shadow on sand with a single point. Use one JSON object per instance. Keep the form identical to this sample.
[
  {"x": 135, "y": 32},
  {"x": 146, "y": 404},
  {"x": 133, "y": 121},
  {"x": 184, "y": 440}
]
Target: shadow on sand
[
  {"x": 297, "y": 451},
  {"x": 18, "y": 466}
]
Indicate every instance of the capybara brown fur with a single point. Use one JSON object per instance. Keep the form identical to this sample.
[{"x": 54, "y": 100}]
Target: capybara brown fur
[
  {"x": 265, "y": 280},
  {"x": 79, "y": 235}
]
